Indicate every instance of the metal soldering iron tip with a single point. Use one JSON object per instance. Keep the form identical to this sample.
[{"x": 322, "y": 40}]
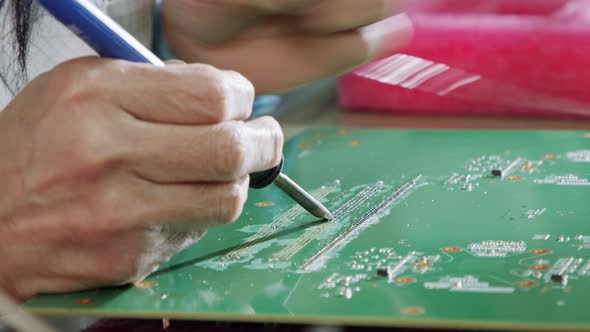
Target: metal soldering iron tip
[
  {"x": 328, "y": 215},
  {"x": 319, "y": 210},
  {"x": 304, "y": 199}
]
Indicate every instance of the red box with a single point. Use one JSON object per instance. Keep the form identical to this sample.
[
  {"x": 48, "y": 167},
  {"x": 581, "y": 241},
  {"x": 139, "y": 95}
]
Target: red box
[{"x": 486, "y": 56}]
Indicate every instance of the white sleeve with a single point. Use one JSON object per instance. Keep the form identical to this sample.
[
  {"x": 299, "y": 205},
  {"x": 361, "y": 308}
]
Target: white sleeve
[{"x": 51, "y": 43}]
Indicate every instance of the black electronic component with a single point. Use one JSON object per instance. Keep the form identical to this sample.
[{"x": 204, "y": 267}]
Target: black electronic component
[
  {"x": 558, "y": 278},
  {"x": 383, "y": 272},
  {"x": 497, "y": 172}
]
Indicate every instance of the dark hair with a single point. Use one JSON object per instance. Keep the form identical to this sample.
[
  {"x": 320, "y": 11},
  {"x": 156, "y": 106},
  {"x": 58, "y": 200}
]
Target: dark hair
[{"x": 20, "y": 13}]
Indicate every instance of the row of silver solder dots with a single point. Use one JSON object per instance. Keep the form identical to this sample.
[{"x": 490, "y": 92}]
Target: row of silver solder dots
[
  {"x": 336, "y": 241},
  {"x": 357, "y": 200}
]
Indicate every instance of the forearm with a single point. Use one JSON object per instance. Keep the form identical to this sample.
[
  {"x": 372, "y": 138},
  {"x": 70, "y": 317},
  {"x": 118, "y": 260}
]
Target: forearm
[{"x": 287, "y": 44}]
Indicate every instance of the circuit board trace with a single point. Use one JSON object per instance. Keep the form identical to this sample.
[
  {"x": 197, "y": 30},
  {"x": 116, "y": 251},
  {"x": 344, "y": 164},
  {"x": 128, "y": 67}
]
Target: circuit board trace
[{"x": 452, "y": 229}]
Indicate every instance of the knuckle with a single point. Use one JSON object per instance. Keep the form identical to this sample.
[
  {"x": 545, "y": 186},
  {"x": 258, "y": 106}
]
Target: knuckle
[
  {"x": 232, "y": 153},
  {"x": 224, "y": 94},
  {"x": 89, "y": 160},
  {"x": 232, "y": 202},
  {"x": 216, "y": 93},
  {"x": 95, "y": 148},
  {"x": 111, "y": 208},
  {"x": 276, "y": 138},
  {"x": 65, "y": 78},
  {"x": 78, "y": 79},
  {"x": 244, "y": 94}
]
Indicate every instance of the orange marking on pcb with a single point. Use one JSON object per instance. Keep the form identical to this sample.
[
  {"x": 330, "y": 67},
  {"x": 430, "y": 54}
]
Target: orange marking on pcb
[
  {"x": 526, "y": 284},
  {"x": 405, "y": 280},
  {"x": 264, "y": 204},
  {"x": 146, "y": 284},
  {"x": 541, "y": 251},
  {"x": 552, "y": 156},
  {"x": 355, "y": 143},
  {"x": 86, "y": 301},
  {"x": 412, "y": 311},
  {"x": 516, "y": 178},
  {"x": 451, "y": 249},
  {"x": 343, "y": 132},
  {"x": 422, "y": 265}
]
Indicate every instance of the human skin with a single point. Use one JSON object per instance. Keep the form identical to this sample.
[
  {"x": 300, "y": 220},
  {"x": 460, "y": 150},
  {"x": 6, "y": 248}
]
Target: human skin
[
  {"x": 109, "y": 168},
  {"x": 99, "y": 155},
  {"x": 278, "y": 44}
]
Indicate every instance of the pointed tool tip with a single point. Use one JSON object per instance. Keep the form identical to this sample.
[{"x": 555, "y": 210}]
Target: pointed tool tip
[
  {"x": 307, "y": 201},
  {"x": 328, "y": 216}
]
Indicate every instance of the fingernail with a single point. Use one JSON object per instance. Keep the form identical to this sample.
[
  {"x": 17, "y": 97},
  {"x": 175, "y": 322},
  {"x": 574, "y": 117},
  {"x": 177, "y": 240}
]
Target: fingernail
[{"x": 388, "y": 36}]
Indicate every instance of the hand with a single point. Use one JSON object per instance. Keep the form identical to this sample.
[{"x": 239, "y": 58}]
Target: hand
[
  {"x": 109, "y": 168},
  {"x": 278, "y": 44}
]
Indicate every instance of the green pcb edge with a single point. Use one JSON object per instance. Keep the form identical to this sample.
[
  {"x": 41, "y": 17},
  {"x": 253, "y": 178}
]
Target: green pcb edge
[{"x": 426, "y": 236}]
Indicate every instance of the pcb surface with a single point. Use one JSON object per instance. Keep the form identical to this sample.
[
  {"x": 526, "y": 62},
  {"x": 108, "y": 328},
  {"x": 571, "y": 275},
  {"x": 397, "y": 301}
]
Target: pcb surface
[{"x": 424, "y": 235}]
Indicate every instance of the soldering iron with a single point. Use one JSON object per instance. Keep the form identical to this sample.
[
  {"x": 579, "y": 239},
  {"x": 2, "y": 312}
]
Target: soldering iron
[{"x": 110, "y": 40}]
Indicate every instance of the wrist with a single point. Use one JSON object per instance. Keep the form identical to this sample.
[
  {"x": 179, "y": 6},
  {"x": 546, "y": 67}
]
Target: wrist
[{"x": 13, "y": 161}]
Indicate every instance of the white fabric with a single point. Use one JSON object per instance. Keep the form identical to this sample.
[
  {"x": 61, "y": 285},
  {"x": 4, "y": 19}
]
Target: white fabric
[{"x": 51, "y": 43}]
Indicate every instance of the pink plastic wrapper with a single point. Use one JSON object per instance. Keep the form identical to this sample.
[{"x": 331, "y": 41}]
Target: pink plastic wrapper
[{"x": 486, "y": 56}]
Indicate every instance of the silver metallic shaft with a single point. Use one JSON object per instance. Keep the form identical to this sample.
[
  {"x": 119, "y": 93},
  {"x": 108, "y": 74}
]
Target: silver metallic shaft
[{"x": 304, "y": 199}]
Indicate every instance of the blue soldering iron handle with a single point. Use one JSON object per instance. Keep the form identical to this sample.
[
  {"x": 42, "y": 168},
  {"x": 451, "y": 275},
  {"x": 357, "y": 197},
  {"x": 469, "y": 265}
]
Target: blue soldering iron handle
[{"x": 99, "y": 31}]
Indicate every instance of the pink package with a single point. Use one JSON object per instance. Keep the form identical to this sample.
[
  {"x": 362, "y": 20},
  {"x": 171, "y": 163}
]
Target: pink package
[{"x": 485, "y": 56}]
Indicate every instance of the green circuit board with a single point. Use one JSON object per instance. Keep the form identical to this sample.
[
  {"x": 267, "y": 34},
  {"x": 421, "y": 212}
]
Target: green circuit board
[{"x": 453, "y": 229}]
